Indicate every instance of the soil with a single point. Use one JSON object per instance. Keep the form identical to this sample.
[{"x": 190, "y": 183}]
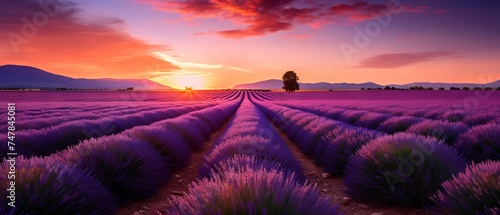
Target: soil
[{"x": 332, "y": 186}]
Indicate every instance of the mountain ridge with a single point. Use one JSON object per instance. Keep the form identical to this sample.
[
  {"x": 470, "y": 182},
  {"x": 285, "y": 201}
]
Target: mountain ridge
[
  {"x": 274, "y": 84},
  {"x": 18, "y": 76}
]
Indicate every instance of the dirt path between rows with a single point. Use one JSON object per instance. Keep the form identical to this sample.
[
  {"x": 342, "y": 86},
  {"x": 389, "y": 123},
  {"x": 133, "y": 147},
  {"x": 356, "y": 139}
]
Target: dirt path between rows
[
  {"x": 175, "y": 186},
  {"x": 333, "y": 186}
]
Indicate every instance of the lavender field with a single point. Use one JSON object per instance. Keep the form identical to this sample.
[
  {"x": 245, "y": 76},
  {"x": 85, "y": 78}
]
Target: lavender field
[{"x": 251, "y": 152}]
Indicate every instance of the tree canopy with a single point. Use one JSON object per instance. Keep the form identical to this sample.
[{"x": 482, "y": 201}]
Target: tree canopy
[{"x": 290, "y": 81}]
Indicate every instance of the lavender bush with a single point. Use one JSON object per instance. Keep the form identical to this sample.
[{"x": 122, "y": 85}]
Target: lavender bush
[
  {"x": 252, "y": 192},
  {"x": 131, "y": 168},
  {"x": 480, "y": 143},
  {"x": 398, "y": 124},
  {"x": 454, "y": 116},
  {"x": 190, "y": 129},
  {"x": 257, "y": 146},
  {"x": 475, "y": 191},
  {"x": 400, "y": 169},
  {"x": 351, "y": 116},
  {"x": 480, "y": 118},
  {"x": 337, "y": 150},
  {"x": 46, "y": 186},
  {"x": 170, "y": 144},
  {"x": 372, "y": 120},
  {"x": 242, "y": 163},
  {"x": 441, "y": 130},
  {"x": 308, "y": 137}
]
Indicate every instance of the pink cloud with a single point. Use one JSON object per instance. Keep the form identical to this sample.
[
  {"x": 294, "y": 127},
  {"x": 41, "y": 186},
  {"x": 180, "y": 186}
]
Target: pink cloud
[{"x": 389, "y": 61}]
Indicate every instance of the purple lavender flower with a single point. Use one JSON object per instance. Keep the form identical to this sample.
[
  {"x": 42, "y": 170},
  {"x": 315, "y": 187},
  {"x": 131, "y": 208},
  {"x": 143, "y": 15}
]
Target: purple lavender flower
[
  {"x": 130, "y": 167},
  {"x": 480, "y": 143},
  {"x": 401, "y": 169},
  {"x": 441, "y": 130},
  {"x": 47, "y": 186},
  {"x": 475, "y": 191},
  {"x": 252, "y": 192},
  {"x": 398, "y": 124},
  {"x": 170, "y": 144},
  {"x": 372, "y": 120}
]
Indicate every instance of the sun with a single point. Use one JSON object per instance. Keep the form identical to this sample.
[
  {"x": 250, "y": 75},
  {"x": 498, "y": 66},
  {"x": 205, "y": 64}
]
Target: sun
[{"x": 192, "y": 82}]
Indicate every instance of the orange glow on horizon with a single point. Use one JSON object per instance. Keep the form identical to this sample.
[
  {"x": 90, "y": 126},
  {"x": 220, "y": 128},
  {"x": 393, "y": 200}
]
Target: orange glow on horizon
[{"x": 194, "y": 82}]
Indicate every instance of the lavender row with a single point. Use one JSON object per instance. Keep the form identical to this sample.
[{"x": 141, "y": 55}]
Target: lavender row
[
  {"x": 440, "y": 111},
  {"x": 109, "y": 110},
  {"x": 264, "y": 96},
  {"x": 250, "y": 171},
  {"x": 97, "y": 175},
  {"x": 44, "y": 113},
  {"x": 43, "y": 121},
  {"x": 478, "y": 143},
  {"x": 441, "y": 130},
  {"x": 379, "y": 169},
  {"x": 223, "y": 95},
  {"x": 400, "y": 103},
  {"x": 56, "y": 116},
  {"x": 329, "y": 142},
  {"x": 231, "y": 96},
  {"x": 38, "y": 108},
  {"x": 250, "y": 134},
  {"x": 49, "y": 140},
  {"x": 170, "y": 141}
]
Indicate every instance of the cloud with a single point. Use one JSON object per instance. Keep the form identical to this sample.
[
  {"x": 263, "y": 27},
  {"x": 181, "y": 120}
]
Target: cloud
[
  {"x": 357, "y": 12},
  {"x": 389, "y": 61},
  {"x": 184, "y": 64},
  {"x": 241, "y": 69},
  {"x": 51, "y": 35},
  {"x": 261, "y": 17},
  {"x": 192, "y": 65},
  {"x": 183, "y": 73}
]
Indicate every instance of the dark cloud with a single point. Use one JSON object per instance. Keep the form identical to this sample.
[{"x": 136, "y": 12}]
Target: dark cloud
[
  {"x": 356, "y": 12},
  {"x": 388, "y": 61},
  {"x": 268, "y": 16}
]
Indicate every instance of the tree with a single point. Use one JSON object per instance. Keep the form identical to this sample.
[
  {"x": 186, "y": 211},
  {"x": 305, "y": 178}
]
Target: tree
[
  {"x": 290, "y": 81},
  {"x": 441, "y": 88}
]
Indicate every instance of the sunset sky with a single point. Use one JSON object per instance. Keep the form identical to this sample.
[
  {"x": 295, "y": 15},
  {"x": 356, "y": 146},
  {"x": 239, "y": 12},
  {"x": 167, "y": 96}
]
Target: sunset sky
[{"x": 221, "y": 43}]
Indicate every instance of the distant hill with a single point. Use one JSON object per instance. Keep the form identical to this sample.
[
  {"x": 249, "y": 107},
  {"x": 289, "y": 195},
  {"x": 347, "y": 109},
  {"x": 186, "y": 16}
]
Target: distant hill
[
  {"x": 278, "y": 84},
  {"x": 436, "y": 85},
  {"x": 274, "y": 84},
  {"x": 267, "y": 84},
  {"x": 30, "y": 77}
]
